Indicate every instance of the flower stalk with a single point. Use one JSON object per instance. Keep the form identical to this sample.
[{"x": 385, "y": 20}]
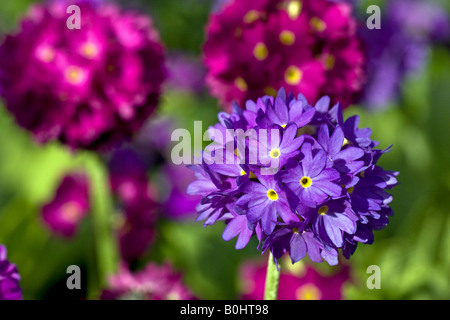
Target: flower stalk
[
  {"x": 106, "y": 247},
  {"x": 272, "y": 280}
]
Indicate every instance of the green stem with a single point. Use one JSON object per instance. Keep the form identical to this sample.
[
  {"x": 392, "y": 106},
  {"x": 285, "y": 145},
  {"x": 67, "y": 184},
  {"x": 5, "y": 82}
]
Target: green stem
[
  {"x": 106, "y": 248},
  {"x": 272, "y": 280}
]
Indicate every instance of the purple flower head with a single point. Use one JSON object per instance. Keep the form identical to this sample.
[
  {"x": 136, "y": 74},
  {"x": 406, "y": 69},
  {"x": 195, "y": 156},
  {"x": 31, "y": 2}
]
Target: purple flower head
[
  {"x": 9, "y": 278},
  {"x": 152, "y": 283},
  {"x": 69, "y": 206},
  {"x": 325, "y": 195},
  {"x": 89, "y": 88},
  {"x": 307, "y": 46}
]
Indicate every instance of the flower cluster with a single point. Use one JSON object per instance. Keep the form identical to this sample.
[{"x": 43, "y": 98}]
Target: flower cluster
[
  {"x": 152, "y": 283},
  {"x": 9, "y": 278},
  {"x": 310, "y": 46},
  {"x": 301, "y": 178},
  {"x": 89, "y": 88}
]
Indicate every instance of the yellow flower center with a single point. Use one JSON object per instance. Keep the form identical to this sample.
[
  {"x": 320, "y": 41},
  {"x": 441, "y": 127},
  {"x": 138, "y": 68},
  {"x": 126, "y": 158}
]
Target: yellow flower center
[
  {"x": 346, "y": 142},
  {"x": 323, "y": 210},
  {"x": 71, "y": 212},
  {"x": 350, "y": 190},
  {"x": 251, "y": 175},
  {"x": 270, "y": 91},
  {"x": 294, "y": 9},
  {"x": 89, "y": 50},
  {"x": 318, "y": 24},
  {"x": 275, "y": 153},
  {"x": 46, "y": 54},
  {"x": 241, "y": 84},
  {"x": 260, "y": 51},
  {"x": 293, "y": 75},
  {"x": 305, "y": 182},
  {"x": 329, "y": 62},
  {"x": 272, "y": 195},
  {"x": 251, "y": 16},
  {"x": 308, "y": 292},
  {"x": 74, "y": 75},
  {"x": 287, "y": 37}
]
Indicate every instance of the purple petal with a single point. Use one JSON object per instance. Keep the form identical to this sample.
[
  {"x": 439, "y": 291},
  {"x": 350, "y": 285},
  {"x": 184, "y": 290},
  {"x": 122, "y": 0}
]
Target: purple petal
[{"x": 297, "y": 249}]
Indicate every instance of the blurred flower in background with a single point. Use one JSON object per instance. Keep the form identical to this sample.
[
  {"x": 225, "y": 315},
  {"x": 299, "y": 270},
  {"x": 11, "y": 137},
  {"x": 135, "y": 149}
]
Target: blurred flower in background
[
  {"x": 136, "y": 223},
  {"x": 309, "y": 47},
  {"x": 89, "y": 88},
  {"x": 401, "y": 48},
  {"x": 70, "y": 205},
  {"x": 185, "y": 72},
  {"x": 154, "y": 282},
  {"x": 298, "y": 282},
  {"x": 9, "y": 278}
]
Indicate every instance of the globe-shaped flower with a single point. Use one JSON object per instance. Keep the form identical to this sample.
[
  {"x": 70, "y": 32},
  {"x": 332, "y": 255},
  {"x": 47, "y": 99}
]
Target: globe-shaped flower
[
  {"x": 302, "y": 179},
  {"x": 309, "y": 47},
  {"x": 88, "y": 88}
]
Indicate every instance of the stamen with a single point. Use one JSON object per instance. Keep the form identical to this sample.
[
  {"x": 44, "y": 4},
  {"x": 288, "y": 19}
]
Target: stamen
[
  {"x": 272, "y": 195},
  {"x": 305, "y": 182},
  {"x": 293, "y": 75},
  {"x": 323, "y": 210},
  {"x": 260, "y": 51},
  {"x": 241, "y": 84},
  {"x": 275, "y": 153},
  {"x": 287, "y": 37}
]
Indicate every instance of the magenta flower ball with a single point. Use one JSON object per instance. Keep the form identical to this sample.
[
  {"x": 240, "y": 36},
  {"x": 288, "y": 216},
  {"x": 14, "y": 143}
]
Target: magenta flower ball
[
  {"x": 89, "y": 88},
  {"x": 253, "y": 48}
]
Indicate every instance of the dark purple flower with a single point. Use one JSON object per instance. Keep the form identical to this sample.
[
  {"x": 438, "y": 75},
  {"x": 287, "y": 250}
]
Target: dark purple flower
[
  {"x": 89, "y": 88},
  {"x": 331, "y": 220},
  {"x": 9, "y": 278},
  {"x": 344, "y": 160},
  {"x": 296, "y": 241},
  {"x": 137, "y": 230},
  {"x": 128, "y": 175},
  {"x": 401, "y": 47},
  {"x": 177, "y": 204},
  {"x": 69, "y": 206},
  {"x": 325, "y": 194},
  {"x": 130, "y": 184},
  {"x": 185, "y": 73}
]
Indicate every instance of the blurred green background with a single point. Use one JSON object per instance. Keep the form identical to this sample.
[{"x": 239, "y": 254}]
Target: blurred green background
[{"x": 413, "y": 252}]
